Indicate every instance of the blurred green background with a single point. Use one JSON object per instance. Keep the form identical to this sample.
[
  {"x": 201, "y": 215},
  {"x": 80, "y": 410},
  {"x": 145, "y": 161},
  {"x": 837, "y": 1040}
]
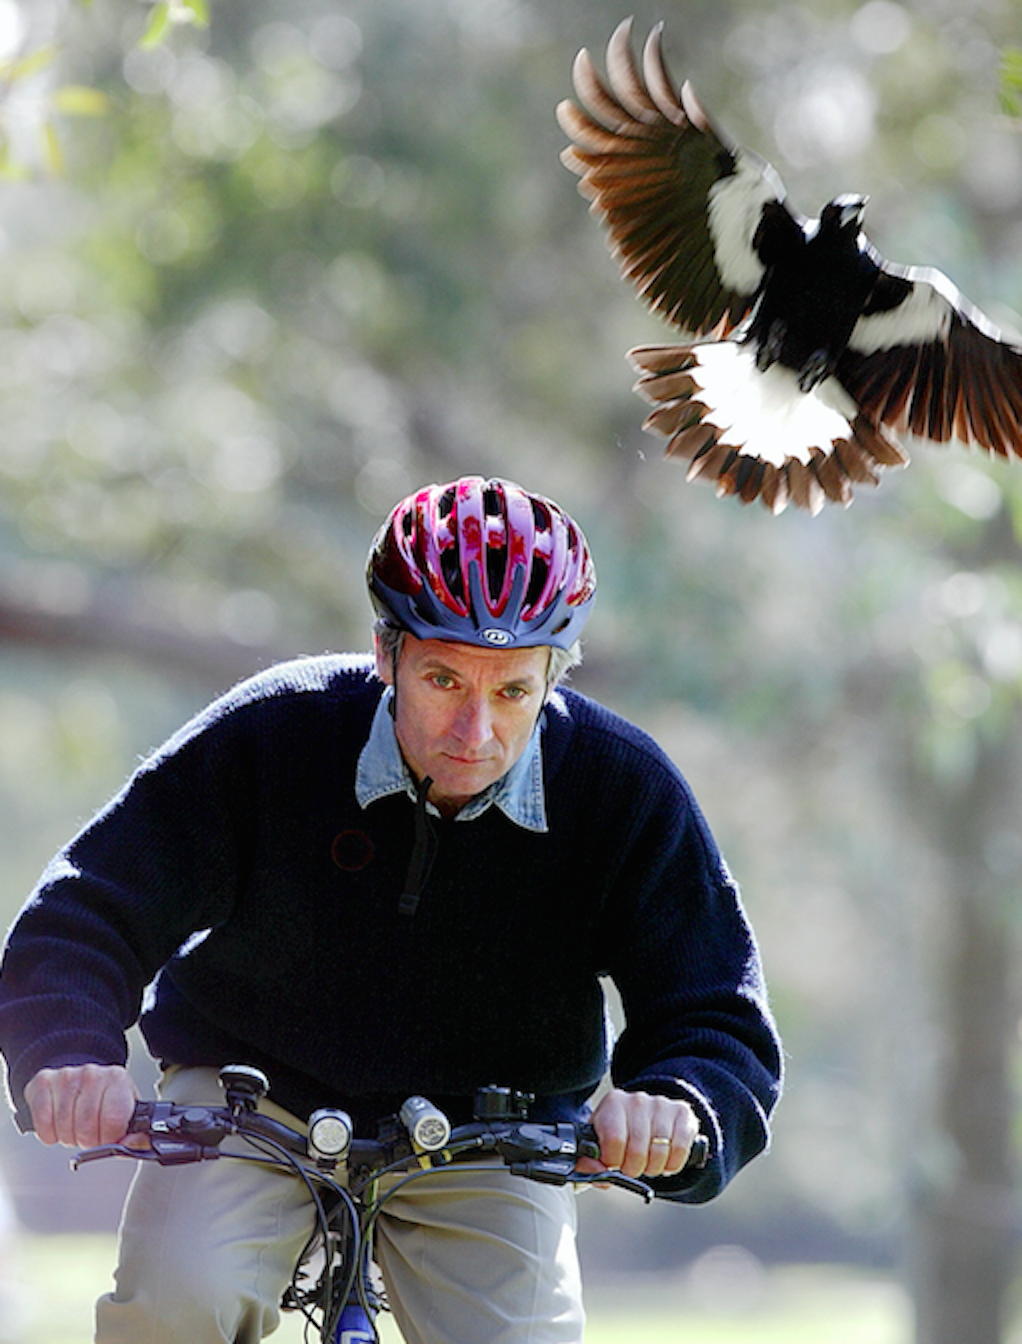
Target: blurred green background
[{"x": 259, "y": 279}]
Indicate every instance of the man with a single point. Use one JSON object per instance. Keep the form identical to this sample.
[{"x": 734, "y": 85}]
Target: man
[{"x": 375, "y": 879}]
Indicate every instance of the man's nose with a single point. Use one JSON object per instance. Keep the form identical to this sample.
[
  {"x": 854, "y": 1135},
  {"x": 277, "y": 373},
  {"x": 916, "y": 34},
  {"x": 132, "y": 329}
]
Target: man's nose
[{"x": 474, "y": 724}]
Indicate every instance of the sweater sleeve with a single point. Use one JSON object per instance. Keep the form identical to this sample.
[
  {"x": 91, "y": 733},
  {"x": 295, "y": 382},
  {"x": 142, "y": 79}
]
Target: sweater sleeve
[
  {"x": 154, "y": 868},
  {"x": 698, "y": 1025}
]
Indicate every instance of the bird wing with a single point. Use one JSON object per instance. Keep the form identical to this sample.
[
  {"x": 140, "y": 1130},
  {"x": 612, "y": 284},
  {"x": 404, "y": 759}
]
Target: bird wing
[
  {"x": 924, "y": 360},
  {"x": 684, "y": 207}
]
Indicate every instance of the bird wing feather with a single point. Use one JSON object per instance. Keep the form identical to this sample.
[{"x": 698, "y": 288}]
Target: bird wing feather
[
  {"x": 681, "y": 204},
  {"x": 924, "y": 360}
]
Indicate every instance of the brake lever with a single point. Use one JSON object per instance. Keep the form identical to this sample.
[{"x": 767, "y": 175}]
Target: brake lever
[
  {"x": 167, "y": 1150},
  {"x": 104, "y": 1150},
  {"x": 176, "y": 1135},
  {"x": 633, "y": 1184}
]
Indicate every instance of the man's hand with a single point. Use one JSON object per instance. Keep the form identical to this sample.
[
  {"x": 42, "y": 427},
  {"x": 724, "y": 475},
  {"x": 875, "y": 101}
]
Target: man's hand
[
  {"x": 81, "y": 1106},
  {"x": 642, "y": 1135}
]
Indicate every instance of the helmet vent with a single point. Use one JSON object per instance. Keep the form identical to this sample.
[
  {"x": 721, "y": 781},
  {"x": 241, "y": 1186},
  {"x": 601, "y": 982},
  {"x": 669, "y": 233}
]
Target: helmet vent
[
  {"x": 537, "y": 580},
  {"x": 450, "y": 567},
  {"x": 496, "y": 567}
]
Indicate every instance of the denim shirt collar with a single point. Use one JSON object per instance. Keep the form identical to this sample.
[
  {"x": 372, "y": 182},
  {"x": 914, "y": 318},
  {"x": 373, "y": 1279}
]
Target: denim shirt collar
[{"x": 518, "y": 794}]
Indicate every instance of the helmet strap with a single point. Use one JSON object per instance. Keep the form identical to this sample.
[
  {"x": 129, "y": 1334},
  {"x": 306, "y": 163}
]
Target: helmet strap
[{"x": 423, "y": 852}]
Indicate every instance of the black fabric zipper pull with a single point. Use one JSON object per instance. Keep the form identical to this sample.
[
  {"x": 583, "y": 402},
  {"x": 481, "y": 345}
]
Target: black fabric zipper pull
[{"x": 423, "y": 852}]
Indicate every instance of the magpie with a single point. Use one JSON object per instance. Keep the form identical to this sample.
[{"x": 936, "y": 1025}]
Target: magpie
[{"x": 812, "y": 353}]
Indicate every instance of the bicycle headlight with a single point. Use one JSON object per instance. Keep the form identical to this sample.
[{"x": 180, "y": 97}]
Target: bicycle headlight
[
  {"x": 329, "y": 1134},
  {"x": 428, "y": 1128}
]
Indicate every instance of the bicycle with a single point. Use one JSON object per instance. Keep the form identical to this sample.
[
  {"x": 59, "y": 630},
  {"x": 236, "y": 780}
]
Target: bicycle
[{"x": 340, "y": 1302}]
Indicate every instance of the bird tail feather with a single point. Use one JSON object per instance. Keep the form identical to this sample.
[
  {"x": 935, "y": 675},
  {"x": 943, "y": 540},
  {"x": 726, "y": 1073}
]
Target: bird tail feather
[{"x": 690, "y": 388}]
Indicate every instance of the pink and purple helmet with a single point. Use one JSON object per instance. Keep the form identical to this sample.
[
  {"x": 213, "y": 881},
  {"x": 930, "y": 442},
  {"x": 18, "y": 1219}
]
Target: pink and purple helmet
[{"x": 482, "y": 562}]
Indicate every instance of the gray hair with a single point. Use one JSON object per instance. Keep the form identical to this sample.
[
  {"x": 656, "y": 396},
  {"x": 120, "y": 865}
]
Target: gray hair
[{"x": 390, "y": 637}]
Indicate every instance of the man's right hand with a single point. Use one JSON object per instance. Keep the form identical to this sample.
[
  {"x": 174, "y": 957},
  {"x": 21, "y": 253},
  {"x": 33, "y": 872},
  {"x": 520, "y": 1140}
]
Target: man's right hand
[{"x": 83, "y": 1105}]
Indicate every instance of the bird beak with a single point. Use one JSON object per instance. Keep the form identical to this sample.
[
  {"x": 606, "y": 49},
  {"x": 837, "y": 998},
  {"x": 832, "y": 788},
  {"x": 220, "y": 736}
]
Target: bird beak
[{"x": 852, "y": 210}]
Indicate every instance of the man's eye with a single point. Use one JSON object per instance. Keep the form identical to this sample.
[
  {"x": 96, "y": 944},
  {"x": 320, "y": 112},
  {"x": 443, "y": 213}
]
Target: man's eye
[
  {"x": 442, "y": 680},
  {"x": 515, "y": 692}
]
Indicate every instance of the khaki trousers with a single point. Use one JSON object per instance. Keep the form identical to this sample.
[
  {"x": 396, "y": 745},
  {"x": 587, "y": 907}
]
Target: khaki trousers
[{"x": 467, "y": 1257}]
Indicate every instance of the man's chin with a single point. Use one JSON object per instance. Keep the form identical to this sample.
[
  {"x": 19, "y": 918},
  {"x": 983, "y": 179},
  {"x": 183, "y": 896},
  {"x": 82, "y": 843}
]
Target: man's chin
[{"x": 457, "y": 786}]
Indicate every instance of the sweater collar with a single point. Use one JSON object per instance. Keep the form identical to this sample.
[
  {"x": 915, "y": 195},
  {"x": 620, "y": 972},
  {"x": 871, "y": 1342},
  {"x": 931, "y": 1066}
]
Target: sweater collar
[{"x": 518, "y": 794}]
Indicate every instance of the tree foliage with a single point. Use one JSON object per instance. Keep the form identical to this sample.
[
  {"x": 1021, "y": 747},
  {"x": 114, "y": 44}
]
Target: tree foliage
[{"x": 309, "y": 257}]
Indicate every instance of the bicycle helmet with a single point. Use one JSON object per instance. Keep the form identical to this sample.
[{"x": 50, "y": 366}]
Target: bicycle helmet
[{"x": 482, "y": 562}]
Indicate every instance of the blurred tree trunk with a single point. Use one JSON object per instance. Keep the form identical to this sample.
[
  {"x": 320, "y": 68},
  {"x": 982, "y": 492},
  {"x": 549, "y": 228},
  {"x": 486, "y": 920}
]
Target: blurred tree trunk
[
  {"x": 117, "y": 620},
  {"x": 965, "y": 1230}
]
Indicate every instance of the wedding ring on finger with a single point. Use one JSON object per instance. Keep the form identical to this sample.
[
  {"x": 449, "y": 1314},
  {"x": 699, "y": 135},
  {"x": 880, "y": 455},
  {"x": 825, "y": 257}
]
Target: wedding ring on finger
[{"x": 660, "y": 1140}]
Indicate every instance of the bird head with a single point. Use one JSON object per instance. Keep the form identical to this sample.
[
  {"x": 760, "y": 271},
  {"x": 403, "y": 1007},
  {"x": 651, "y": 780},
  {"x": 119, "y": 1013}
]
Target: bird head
[{"x": 844, "y": 213}]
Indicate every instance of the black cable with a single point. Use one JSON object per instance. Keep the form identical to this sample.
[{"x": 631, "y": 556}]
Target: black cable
[{"x": 324, "y": 1225}]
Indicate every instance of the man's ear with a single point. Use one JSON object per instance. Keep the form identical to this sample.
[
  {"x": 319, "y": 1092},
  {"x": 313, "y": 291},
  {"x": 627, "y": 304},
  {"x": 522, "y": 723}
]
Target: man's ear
[{"x": 384, "y": 663}]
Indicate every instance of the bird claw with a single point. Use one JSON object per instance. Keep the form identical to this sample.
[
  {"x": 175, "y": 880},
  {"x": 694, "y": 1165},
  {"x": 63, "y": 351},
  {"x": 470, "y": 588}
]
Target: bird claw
[
  {"x": 814, "y": 370},
  {"x": 772, "y": 345}
]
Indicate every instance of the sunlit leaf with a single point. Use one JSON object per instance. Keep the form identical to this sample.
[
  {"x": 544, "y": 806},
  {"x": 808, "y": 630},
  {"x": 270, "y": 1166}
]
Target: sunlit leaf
[
  {"x": 8, "y": 168},
  {"x": 200, "y": 12},
  {"x": 1011, "y": 66},
  {"x": 167, "y": 13},
  {"x": 79, "y": 100},
  {"x": 1010, "y": 90},
  {"x": 26, "y": 66},
  {"x": 53, "y": 150},
  {"x": 159, "y": 23}
]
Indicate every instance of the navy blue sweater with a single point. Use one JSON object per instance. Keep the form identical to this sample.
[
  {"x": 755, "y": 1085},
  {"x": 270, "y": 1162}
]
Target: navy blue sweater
[{"x": 238, "y": 871}]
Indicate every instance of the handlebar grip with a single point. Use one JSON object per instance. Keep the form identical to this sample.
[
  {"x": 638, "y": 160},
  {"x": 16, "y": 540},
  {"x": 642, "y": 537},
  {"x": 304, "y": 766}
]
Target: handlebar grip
[
  {"x": 698, "y": 1156},
  {"x": 588, "y": 1143},
  {"x": 141, "y": 1117}
]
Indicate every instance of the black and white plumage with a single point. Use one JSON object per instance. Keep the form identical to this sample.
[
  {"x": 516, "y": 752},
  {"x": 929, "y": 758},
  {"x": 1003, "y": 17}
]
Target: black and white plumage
[{"x": 815, "y": 352}]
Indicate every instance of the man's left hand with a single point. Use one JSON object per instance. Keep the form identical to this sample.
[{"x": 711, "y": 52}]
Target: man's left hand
[{"x": 642, "y": 1135}]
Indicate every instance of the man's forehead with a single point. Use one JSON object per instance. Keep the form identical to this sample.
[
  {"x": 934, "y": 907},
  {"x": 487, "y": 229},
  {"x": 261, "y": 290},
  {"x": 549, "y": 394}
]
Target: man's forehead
[{"x": 501, "y": 664}]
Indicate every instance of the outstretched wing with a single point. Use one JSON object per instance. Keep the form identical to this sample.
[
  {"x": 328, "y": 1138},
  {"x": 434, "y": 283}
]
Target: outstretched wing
[
  {"x": 683, "y": 206},
  {"x": 923, "y": 360}
]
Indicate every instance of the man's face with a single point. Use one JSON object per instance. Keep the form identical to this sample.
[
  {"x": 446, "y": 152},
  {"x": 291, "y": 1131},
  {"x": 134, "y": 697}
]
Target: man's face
[{"x": 464, "y": 714}]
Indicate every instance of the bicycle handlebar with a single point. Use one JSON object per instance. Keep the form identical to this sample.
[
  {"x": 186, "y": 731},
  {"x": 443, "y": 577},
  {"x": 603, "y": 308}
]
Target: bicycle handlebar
[
  {"x": 412, "y": 1145},
  {"x": 546, "y": 1152}
]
